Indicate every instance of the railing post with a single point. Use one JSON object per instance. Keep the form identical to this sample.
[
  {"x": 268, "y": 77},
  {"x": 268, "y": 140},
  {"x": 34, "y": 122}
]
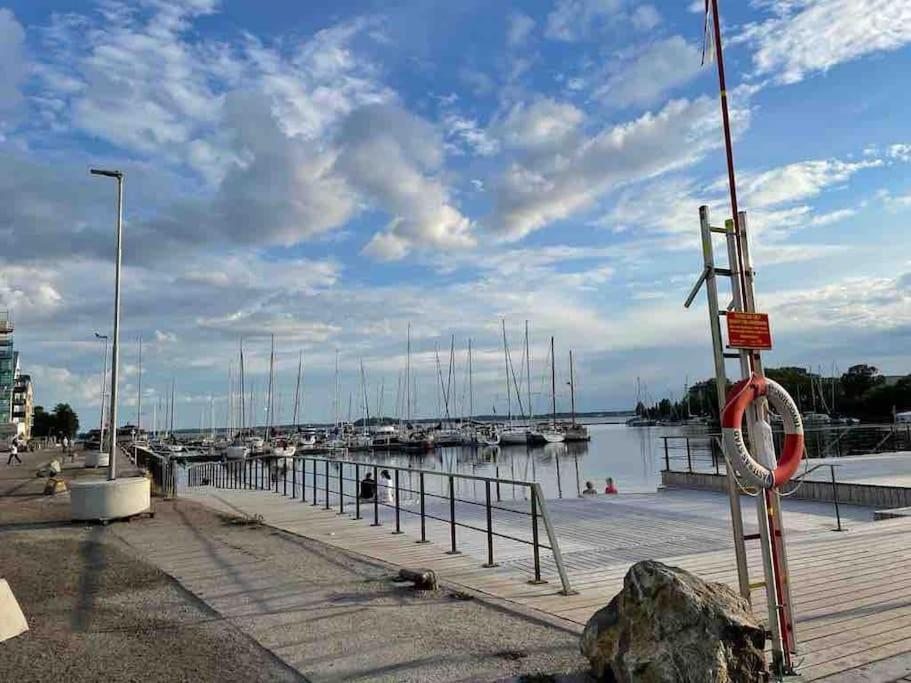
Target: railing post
[
  {"x": 341, "y": 488},
  {"x": 490, "y": 562},
  {"x": 327, "y": 484},
  {"x": 357, "y": 490},
  {"x": 284, "y": 472},
  {"x": 398, "y": 521},
  {"x": 452, "y": 522},
  {"x": 552, "y": 538},
  {"x": 423, "y": 518},
  {"x": 315, "y": 495},
  {"x": 535, "y": 545},
  {"x": 689, "y": 456},
  {"x": 667, "y": 457},
  {"x": 376, "y": 497},
  {"x": 293, "y": 477},
  {"x": 275, "y": 472},
  {"x": 835, "y": 498}
]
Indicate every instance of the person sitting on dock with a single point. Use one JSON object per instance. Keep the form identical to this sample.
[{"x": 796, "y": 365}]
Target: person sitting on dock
[
  {"x": 589, "y": 489},
  {"x": 388, "y": 493},
  {"x": 610, "y": 488},
  {"x": 368, "y": 487}
]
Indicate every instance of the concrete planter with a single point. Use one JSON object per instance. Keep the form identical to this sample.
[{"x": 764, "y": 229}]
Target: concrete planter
[
  {"x": 100, "y": 499},
  {"x": 96, "y": 459}
]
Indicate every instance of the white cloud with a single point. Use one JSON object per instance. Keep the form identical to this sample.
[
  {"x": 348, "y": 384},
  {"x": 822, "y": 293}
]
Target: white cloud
[
  {"x": 12, "y": 73},
  {"x": 572, "y": 20},
  {"x": 809, "y": 36},
  {"x": 465, "y": 133},
  {"x": 544, "y": 124},
  {"x": 660, "y": 67},
  {"x": 646, "y": 17},
  {"x": 519, "y": 27},
  {"x": 900, "y": 151},
  {"x": 797, "y": 181},
  {"x": 403, "y": 185},
  {"x": 539, "y": 189}
]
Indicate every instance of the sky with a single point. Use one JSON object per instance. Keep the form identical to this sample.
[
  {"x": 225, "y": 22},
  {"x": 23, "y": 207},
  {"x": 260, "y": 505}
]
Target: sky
[{"x": 333, "y": 172}]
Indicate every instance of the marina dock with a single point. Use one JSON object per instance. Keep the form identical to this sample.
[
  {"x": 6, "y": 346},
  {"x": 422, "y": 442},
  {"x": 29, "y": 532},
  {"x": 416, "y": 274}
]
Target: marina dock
[{"x": 852, "y": 589}]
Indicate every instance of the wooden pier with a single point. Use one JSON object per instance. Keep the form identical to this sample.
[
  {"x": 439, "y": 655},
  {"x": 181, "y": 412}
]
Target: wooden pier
[{"x": 852, "y": 590}]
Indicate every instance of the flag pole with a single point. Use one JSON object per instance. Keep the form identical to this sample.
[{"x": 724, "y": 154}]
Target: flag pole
[{"x": 728, "y": 145}]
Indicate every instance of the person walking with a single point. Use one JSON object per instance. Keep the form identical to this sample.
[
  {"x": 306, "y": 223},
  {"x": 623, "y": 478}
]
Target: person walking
[{"x": 13, "y": 453}]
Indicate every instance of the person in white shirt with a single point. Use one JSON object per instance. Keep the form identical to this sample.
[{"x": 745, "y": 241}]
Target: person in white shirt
[
  {"x": 13, "y": 453},
  {"x": 386, "y": 492}
]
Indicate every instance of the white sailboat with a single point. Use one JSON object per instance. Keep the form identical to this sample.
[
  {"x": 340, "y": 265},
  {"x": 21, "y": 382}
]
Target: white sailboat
[{"x": 552, "y": 433}]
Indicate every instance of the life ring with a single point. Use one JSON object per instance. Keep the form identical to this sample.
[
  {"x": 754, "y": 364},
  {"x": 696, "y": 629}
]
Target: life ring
[{"x": 739, "y": 398}]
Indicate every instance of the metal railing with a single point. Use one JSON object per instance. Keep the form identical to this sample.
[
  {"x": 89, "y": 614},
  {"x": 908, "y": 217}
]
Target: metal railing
[
  {"x": 702, "y": 453},
  {"x": 332, "y": 484},
  {"x": 162, "y": 467}
]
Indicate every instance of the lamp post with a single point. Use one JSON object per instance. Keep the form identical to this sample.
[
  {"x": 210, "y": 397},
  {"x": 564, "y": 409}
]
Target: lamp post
[
  {"x": 118, "y": 175},
  {"x": 104, "y": 377}
]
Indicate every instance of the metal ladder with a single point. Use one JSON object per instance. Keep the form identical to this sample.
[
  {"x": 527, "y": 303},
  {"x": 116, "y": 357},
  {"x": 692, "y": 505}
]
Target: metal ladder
[{"x": 776, "y": 580}]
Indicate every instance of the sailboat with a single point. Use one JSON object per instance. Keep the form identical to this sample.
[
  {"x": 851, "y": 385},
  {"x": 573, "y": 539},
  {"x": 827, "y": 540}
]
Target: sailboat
[
  {"x": 553, "y": 433},
  {"x": 237, "y": 449},
  {"x": 574, "y": 431},
  {"x": 510, "y": 434}
]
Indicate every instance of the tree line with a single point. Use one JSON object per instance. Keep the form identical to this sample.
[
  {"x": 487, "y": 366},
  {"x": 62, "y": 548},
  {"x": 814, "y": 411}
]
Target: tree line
[
  {"x": 62, "y": 421},
  {"x": 861, "y": 392}
]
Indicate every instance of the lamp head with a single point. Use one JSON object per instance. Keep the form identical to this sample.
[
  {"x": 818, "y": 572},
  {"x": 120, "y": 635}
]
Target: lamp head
[{"x": 104, "y": 172}]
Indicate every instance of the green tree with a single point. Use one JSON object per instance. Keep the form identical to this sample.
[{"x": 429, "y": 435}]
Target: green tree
[
  {"x": 42, "y": 422},
  {"x": 66, "y": 421},
  {"x": 858, "y": 380}
]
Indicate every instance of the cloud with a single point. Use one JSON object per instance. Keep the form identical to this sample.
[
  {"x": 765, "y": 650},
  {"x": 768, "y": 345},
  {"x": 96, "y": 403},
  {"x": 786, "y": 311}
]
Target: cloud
[
  {"x": 573, "y": 20},
  {"x": 661, "y": 66},
  {"x": 646, "y": 17},
  {"x": 403, "y": 185},
  {"x": 541, "y": 188},
  {"x": 541, "y": 125},
  {"x": 800, "y": 180},
  {"x": 519, "y": 27},
  {"x": 12, "y": 57},
  {"x": 811, "y": 36}
]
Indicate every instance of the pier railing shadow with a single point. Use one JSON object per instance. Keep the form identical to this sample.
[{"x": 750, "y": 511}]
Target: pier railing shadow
[{"x": 509, "y": 510}]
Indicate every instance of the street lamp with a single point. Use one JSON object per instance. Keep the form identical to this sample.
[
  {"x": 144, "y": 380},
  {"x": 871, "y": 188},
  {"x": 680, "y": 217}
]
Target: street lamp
[
  {"x": 118, "y": 175},
  {"x": 104, "y": 377}
]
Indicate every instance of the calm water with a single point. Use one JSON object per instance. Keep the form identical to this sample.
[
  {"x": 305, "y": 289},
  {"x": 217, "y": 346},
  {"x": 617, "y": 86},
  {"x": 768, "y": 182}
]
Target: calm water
[{"x": 632, "y": 456}]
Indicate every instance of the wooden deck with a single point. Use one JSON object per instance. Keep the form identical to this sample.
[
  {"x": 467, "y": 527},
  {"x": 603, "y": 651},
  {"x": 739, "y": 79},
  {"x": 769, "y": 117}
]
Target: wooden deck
[{"x": 852, "y": 590}]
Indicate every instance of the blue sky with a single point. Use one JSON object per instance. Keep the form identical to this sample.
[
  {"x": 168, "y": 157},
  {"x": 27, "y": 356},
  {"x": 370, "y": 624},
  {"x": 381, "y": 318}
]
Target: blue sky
[{"x": 332, "y": 172}]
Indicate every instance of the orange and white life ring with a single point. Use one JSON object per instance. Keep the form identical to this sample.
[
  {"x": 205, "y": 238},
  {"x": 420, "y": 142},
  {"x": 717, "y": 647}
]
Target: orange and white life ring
[{"x": 739, "y": 398}]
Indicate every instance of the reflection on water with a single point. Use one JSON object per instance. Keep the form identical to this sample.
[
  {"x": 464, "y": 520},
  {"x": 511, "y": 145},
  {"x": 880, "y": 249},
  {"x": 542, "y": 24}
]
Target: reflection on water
[{"x": 628, "y": 454}]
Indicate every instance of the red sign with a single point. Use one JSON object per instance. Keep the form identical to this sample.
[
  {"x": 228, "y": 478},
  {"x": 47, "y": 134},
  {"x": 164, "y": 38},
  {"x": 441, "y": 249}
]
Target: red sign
[{"x": 749, "y": 331}]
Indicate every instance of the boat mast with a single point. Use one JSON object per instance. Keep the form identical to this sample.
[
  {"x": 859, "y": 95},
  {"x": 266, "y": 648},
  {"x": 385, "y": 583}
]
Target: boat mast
[
  {"x": 336, "y": 390},
  {"x": 364, "y": 388},
  {"x": 553, "y": 384},
  {"x": 243, "y": 421},
  {"x": 470, "y": 385},
  {"x": 572, "y": 388},
  {"x": 408, "y": 378},
  {"x": 270, "y": 407},
  {"x": 528, "y": 377},
  {"x": 506, "y": 361},
  {"x": 297, "y": 389},
  {"x": 171, "y": 428}
]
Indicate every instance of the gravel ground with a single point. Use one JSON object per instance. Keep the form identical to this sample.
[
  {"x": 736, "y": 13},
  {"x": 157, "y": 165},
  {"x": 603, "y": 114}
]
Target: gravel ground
[{"x": 100, "y": 609}]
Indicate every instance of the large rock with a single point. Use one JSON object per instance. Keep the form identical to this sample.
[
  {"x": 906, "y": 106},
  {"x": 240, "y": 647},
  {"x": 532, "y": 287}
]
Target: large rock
[{"x": 669, "y": 625}]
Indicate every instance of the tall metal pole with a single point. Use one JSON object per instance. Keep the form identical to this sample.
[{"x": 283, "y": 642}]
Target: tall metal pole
[
  {"x": 115, "y": 346},
  {"x": 528, "y": 376},
  {"x": 139, "y": 392},
  {"x": 470, "y": 385},
  {"x": 726, "y": 125},
  {"x": 270, "y": 408},
  {"x": 104, "y": 380}
]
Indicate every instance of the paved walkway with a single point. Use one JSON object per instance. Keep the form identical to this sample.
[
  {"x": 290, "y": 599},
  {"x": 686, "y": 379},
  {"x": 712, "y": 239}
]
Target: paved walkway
[{"x": 852, "y": 590}]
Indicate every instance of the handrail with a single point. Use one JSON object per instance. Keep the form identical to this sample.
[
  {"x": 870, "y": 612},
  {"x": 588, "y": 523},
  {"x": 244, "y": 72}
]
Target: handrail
[{"x": 258, "y": 473}]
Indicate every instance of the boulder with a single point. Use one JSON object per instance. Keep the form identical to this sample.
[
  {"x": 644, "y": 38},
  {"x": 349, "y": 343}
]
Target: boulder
[
  {"x": 423, "y": 579},
  {"x": 54, "y": 486},
  {"x": 668, "y": 625}
]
